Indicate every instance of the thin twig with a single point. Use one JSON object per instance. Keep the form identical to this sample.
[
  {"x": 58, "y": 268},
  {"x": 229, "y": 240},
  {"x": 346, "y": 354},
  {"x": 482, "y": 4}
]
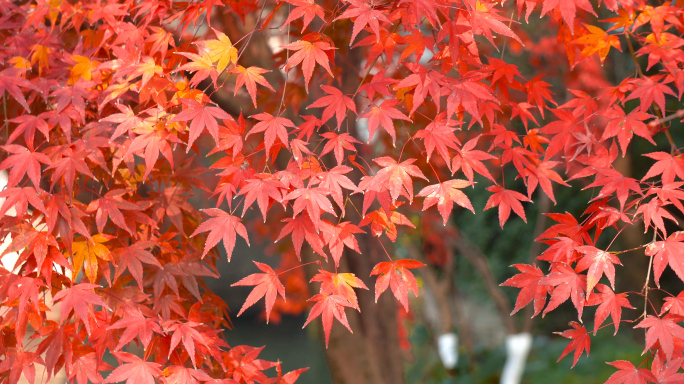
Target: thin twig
[
  {"x": 659, "y": 113},
  {"x": 648, "y": 275}
]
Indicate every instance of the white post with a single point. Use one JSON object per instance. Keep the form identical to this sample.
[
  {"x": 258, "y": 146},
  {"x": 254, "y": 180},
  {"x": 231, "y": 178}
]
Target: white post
[
  {"x": 447, "y": 347},
  {"x": 517, "y": 348}
]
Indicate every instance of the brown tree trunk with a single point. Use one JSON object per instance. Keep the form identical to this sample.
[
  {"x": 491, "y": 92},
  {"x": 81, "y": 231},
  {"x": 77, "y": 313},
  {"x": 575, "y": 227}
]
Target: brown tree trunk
[{"x": 371, "y": 355}]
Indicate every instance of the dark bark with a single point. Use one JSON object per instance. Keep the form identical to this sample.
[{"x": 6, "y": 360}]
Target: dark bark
[{"x": 371, "y": 355}]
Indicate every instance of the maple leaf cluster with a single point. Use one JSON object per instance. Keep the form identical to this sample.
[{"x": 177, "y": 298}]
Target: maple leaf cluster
[{"x": 112, "y": 111}]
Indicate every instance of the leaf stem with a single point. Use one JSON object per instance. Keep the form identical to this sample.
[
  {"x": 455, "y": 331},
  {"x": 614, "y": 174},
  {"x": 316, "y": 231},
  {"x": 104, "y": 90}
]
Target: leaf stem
[
  {"x": 648, "y": 276},
  {"x": 299, "y": 266},
  {"x": 658, "y": 112}
]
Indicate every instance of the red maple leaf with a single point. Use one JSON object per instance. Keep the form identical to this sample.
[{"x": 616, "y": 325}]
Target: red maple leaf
[
  {"x": 439, "y": 135},
  {"x": 468, "y": 92},
  {"x": 542, "y": 174},
  {"x": 609, "y": 303},
  {"x": 484, "y": 18},
  {"x": 250, "y": 77},
  {"x": 667, "y": 166},
  {"x": 417, "y": 44},
  {"x": 567, "y": 8},
  {"x": 521, "y": 110},
  {"x": 298, "y": 149},
  {"x": 171, "y": 202},
  {"x": 614, "y": 182},
  {"x": 266, "y": 285},
  {"x": 337, "y": 144},
  {"x": 10, "y": 81},
  {"x": 126, "y": 120},
  {"x": 336, "y": 103},
  {"x": 288, "y": 378},
  {"x": 329, "y": 306},
  {"x": 301, "y": 227},
  {"x": 445, "y": 195},
  {"x": 419, "y": 9},
  {"x": 313, "y": 200},
  {"x": 426, "y": 81},
  {"x": 379, "y": 222},
  {"x": 674, "y": 305},
  {"x": 272, "y": 127},
  {"x": 78, "y": 298},
  {"x": 397, "y": 176},
  {"x": 669, "y": 193},
  {"x": 669, "y": 251},
  {"x": 538, "y": 90},
  {"x": 341, "y": 284},
  {"x": 202, "y": 117},
  {"x": 338, "y": 236},
  {"x": 379, "y": 84},
  {"x": 650, "y": 90},
  {"x": 386, "y": 43},
  {"x": 222, "y": 225},
  {"x": 567, "y": 284},
  {"x": 187, "y": 333},
  {"x": 74, "y": 95},
  {"x": 19, "y": 199},
  {"x": 110, "y": 206},
  {"x": 667, "y": 371},
  {"x": 183, "y": 375},
  {"x": 132, "y": 257},
  {"x": 306, "y": 9},
  {"x": 71, "y": 162},
  {"x": 308, "y": 54},
  {"x": 506, "y": 200},
  {"x": 469, "y": 159},
  {"x": 134, "y": 371},
  {"x": 625, "y": 126},
  {"x": 363, "y": 14},
  {"x": 136, "y": 325},
  {"x": 262, "y": 188},
  {"x": 148, "y": 144},
  {"x": 396, "y": 275},
  {"x": 334, "y": 180},
  {"x": 28, "y": 125},
  {"x": 85, "y": 366},
  {"x": 580, "y": 341},
  {"x": 629, "y": 374},
  {"x": 662, "y": 330},
  {"x": 382, "y": 116},
  {"x": 654, "y": 211},
  {"x": 528, "y": 280},
  {"x": 598, "y": 262},
  {"x": 23, "y": 162}
]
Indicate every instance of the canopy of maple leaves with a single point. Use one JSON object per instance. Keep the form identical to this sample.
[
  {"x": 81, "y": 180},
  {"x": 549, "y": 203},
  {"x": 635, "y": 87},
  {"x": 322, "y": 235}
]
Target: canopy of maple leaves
[{"x": 109, "y": 106}]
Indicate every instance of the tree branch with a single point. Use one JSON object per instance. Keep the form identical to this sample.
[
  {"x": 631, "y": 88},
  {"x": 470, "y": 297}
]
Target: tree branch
[{"x": 479, "y": 261}]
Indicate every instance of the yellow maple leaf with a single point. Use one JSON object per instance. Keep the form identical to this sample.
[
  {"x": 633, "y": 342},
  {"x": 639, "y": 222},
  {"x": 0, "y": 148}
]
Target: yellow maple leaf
[
  {"x": 597, "y": 41},
  {"x": 221, "y": 50},
  {"x": 54, "y": 12},
  {"x": 20, "y": 62},
  {"x": 185, "y": 92},
  {"x": 83, "y": 69},
  {"x": 86, "y": 254},
  {"x": 40, "y": 56}
]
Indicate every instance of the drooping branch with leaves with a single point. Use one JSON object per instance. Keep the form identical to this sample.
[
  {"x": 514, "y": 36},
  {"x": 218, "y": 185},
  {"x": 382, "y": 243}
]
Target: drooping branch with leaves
[{"x": 312, "y": 126}]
